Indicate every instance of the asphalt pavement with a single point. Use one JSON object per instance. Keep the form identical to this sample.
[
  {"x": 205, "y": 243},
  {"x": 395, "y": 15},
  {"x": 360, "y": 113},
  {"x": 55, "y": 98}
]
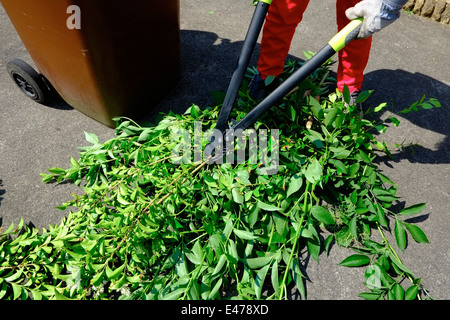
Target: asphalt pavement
[{"x": 409, "y": 59}]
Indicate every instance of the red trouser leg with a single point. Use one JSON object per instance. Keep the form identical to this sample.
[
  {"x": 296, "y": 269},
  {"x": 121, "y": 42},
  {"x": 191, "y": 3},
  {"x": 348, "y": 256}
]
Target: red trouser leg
[
  {"x": 281, "y": 22},
  {"x": 279, "y": 28},
  {"x": 354, "y": 57}
]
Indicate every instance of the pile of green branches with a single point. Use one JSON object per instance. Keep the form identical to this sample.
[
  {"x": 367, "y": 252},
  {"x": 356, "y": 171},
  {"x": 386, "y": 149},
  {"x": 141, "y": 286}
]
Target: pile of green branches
[{"x": 149, "y": 227}]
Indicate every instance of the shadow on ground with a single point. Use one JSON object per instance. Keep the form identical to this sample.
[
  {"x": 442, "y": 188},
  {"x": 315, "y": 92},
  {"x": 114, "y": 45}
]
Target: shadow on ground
[{"x": 400, "y": 89}]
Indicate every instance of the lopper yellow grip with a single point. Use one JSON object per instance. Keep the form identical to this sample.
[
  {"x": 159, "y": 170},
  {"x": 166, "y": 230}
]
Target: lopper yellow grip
[
  {"x": 266, "y": 1},
  {"x": 347, "y": 34}
]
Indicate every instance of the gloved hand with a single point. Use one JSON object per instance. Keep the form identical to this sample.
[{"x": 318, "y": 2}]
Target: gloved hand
[{"x": 377, "y": 14}]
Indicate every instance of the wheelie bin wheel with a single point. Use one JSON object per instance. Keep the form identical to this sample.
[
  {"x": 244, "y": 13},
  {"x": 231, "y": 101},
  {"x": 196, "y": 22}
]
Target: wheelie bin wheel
[{"x": 29, "y": 80}]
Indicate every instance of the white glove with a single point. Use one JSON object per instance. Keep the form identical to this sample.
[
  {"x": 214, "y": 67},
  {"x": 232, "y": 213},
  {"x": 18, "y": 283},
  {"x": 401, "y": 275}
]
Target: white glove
[{"x": 377, "y": 14}]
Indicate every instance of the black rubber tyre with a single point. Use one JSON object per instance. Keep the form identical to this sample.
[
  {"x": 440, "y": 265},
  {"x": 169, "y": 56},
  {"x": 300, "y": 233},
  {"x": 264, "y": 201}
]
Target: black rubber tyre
[{"x": 28, "y": 80}]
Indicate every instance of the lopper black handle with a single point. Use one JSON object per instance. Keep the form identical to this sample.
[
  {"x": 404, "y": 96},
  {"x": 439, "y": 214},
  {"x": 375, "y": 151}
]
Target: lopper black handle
[
  {"x": 338, "y": 42},
  {"x": 248, "y": 47}
]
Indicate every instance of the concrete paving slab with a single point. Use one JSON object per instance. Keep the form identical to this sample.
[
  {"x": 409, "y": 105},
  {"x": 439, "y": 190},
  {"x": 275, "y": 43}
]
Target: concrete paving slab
[{"x": 408, "y": 59}]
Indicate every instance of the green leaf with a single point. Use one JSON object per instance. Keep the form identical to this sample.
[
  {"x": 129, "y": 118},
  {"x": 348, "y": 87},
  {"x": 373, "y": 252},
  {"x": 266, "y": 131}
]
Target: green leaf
[
  {"x": 364, "y": 157},
  {"x": 194, "y": 110},
  {"x": 380, "y": 107},
  {"x": 398, "y": 292},
  {"x": 432, "y": 102},
  {"x": 381, "y": 128},
  {"x": 305, "y": 233},
  {"x": 328, "y": 242},
  {"x": 46, "y": 178},
  {"x": 318, "y": 143},
  {"x": 417, "y": 233},
  {"x": 346, "y": 94},
  {"x": 56, "y": 170},
  {"x": 379, "y": 212},
  {"x": 355, "y": 260},
  {"x": 97, "y": 279},
  {"x": 245, "y": 235},
  {"x": 298, "y": 276},
  {"x": 339, "y": 165},
  {"x": 373, "y": 277},
  {"x": 15, "y": 276},
  {"x": 323, "y": 215},
  {"x": 196, "y": 255},
  {"x": 395, "y": 121},
  {"x": 281, "y": 225},
  {"x": 370, "y": 295},
  {"x": 145, "y": 135},
  {"x": 314, "y": 172},
  {"x": 269, "y": 80},
  {"x": 344, "y": 237},
  {"x": 253, "y": 215},
  {"x": 181, "y": 266},
  {"x": 293, "y": 113},
  {"x": 256, "y": 263},
  {"x": 17, "y": 290},
  {"x": 267, "y": 207},
  {"x": 219, "y": 265},
  {"x": 295, "y": 184},
  {"x": 60, "y": 296},
  {"x": 215, "y": 289},
  {"x": 172, "y": 259},
  {"x": 121, "y": 200},
  {"x": 316, "y": 107},
  {"x": 174, "y": 295},
  {"x": 274, "y": 277},
  {"x": 386, "y": 198},
  {"x": 426, "y": 106},
  {"x": 259, "y": 280},
  {"x": 354, "y": 227},
  {"x": 331, "y": 115},
  {"x": 237, "y": 195},
  {"x": 363, "y": 96},
  {"x": 36, "y": 295},
  {"x": 399, "y": 264},
  {"x": 400, "y": 234},
  {"x": 114, "y": 274},
  {"x": 308, "y": 54},
  {"x": 194, "y": 292},
  {"x": 232, "y": 251},
  {"x": 210, "y": 181},
  {"x": 116, "y": 285},
  {"x": 422, "y": 99},
  {"x": 74, "y": 163},
  {"x": 353, "y": 170},
  {"x": 340, "y": 153},
  {"x": 90, "y": 137},
  {"x": 313, "y": 248},
  {"x": 435, "y": 102},
  {"x": 198, "y": 250},
  {"x": 385, "y": 179},
  {"x": 3, "y": 290},
  {"x": 414, "y": 209},
  {"x": 411, "y": 292}
]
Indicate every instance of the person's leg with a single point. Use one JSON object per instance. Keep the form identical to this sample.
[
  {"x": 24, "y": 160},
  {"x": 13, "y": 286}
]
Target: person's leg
[
  {"x": 279, "y": 28},
  {"x": 353, "y": 58}
]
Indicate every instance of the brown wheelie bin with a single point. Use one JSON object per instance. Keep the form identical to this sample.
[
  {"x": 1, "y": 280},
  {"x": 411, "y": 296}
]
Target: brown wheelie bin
[{"x": 105, "y": 58}]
